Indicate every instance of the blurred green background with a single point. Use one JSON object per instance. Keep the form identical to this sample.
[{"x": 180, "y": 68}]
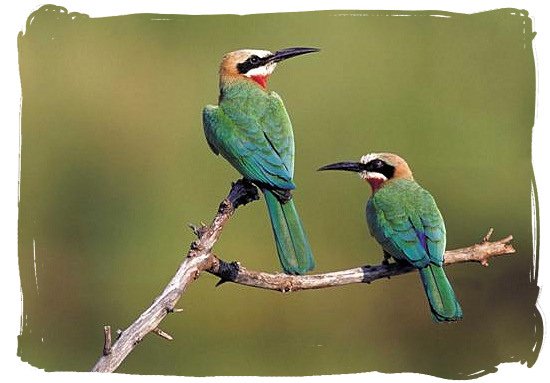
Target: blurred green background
[{"x": 114, "y": 165}]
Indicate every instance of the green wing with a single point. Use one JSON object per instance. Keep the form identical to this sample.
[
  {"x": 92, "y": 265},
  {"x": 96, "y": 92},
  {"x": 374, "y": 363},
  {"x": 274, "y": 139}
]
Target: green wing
[
  {"x": 256, "y": 138},
  {"x": 278, "y": 130},
  {"x": 405, "y": 220}
]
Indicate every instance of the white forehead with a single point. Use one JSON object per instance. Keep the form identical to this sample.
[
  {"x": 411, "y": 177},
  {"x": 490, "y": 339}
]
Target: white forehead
[
  {"x": 257, "y": 52},
  {"x": 369, "y": 157}
]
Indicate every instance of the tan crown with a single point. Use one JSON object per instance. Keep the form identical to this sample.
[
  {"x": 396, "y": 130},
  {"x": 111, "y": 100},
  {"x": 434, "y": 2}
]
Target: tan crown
[
  {"x": 402, "y": 169},
  {"x": 228, "y": 66}
]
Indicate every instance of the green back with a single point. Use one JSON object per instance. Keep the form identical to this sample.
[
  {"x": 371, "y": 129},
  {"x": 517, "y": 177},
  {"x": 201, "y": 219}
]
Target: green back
[
  {"x": 252, "y": 130},
  {"x": 405, "y": 220}
]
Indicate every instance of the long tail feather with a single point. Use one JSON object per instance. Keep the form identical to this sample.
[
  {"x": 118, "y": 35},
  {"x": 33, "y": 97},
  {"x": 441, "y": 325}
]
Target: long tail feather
[
  {"x": 291, "y": 241},
  {"x": 442, "y": 299}
]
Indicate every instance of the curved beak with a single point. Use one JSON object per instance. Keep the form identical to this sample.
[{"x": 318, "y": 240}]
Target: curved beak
[
  {"x": 287, "y": 53},
  {"x": 347, "y": 166}
]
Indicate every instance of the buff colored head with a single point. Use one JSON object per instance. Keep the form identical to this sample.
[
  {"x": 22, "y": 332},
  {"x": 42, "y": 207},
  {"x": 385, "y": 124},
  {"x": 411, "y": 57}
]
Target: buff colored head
[
  {"x": 376, "y": 168},
  {"x": 255, "y": 65}
]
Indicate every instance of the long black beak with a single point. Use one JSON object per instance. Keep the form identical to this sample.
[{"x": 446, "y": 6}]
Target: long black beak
[
  {"x": 347, "y": 166},
  {"x": 287, "y": 53}
]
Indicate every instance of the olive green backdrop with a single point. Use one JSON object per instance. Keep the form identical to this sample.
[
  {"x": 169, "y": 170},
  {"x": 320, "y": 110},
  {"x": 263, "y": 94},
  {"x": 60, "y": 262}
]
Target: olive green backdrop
[{"x": 114, "y": 165}]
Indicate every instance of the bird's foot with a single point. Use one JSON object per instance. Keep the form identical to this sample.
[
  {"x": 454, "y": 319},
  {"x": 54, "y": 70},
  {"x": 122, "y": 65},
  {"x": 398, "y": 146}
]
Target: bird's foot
[
  {"x": 242, "y": 192},
  {"x": 227, "y": 272},
  {"x": 386, "y": 260}
]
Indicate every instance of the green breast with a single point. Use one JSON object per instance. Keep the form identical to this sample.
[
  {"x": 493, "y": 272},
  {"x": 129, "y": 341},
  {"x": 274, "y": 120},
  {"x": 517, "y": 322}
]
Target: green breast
[
  {"x": 252, "y": 130},
  {"x": 405, "y": 220}
]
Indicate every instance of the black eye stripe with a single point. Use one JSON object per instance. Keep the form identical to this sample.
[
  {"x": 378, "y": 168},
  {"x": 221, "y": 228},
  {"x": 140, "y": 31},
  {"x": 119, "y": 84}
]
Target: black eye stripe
[
  {"x": 381, "y": 167},
  {"x": 250, "y": 63}
]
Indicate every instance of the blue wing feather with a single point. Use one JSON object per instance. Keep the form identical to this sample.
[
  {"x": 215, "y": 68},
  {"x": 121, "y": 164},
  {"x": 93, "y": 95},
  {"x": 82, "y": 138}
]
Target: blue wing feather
[
  {"x": 251, "y": 154},
  {"x": 405, "y": 220}
]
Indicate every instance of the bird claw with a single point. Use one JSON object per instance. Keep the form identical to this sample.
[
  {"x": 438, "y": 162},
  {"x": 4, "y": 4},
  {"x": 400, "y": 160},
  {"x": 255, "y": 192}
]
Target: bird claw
[
  {"x": 242, "y": 192},
  {"x": 386, "y": 260},
  {"x": 227, "y": 272}
]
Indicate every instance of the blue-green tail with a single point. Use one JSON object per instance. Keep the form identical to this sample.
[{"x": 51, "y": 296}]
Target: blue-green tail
[
  {"x": 291, "y": 240},
  {"x": 443, "y": 302}
]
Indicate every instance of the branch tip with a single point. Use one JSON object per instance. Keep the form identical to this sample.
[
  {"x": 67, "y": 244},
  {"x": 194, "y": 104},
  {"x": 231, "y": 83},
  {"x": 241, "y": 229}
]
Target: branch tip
[
  {"x": 162, "y": 334},
  {"x": 107, "y": 340},
  {"x": 200, "y": 230},
  {"x": 506, "y": 240},
  {"x": 172, "y": 310},
  {"x": 488, "y": 236},
  {"x": 193, "y": 228}
]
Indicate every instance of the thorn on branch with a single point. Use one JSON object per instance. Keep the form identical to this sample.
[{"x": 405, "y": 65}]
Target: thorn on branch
[
  {"x": 506, "y": 241},
  {"x": 162, "y": 334},
  {"x": 107, "y": 340},
  {"x": 196, "y": 245},
  {"x": 488, "y": 235},
  {"x": 200, "y": 230},
  {"x": 286, "y": 287},
  {"x": 193, "y": 228},
  {"x": 171, "y": 310}
]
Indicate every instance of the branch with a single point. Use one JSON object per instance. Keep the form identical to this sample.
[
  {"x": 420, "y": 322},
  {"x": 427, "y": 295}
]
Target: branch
[
  {"x": 200, "y": 258},
  {"x": 234, "y": 272}
]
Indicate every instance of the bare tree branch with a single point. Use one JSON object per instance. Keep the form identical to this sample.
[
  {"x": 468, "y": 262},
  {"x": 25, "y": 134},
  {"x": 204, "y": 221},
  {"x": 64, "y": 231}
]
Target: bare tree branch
[
  {"x": 200, "y": 258},
  {"x": 233, "y": 272},
  {"x": 107, "y": 340}
]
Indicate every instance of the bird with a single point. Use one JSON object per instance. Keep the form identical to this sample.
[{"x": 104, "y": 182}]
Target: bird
[
  {"x": 251, "y": 129},
  {"x": 404, "y": 219}
]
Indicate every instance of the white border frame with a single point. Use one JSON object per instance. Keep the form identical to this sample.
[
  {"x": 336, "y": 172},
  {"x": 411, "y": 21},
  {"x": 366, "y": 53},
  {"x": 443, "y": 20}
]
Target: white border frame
[{"x": 14, "y": 21}]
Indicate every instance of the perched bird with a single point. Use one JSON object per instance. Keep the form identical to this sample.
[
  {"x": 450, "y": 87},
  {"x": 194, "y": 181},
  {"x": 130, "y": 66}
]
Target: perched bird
[
  {"x": 404, "y": 218},
  {"x": 251, "y": 129}
]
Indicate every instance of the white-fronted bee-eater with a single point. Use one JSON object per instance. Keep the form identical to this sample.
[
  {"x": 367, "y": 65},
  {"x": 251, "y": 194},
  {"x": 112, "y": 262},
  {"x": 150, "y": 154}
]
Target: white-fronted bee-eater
[
  {"x": 404, "y": 219},
  {"x": 251, "y": 129}
]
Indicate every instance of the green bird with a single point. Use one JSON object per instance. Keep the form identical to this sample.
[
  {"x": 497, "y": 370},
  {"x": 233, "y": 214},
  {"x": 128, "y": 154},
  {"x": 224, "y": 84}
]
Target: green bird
[
  {"x": 251, "y": 129},
  {"x": 404, "y": 219}
]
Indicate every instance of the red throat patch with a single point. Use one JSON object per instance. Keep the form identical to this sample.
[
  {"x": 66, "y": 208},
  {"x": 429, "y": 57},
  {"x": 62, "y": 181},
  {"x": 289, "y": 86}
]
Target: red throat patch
[
  {"x": 261, "y": 80},
  {"x": 375, "y": 183}
]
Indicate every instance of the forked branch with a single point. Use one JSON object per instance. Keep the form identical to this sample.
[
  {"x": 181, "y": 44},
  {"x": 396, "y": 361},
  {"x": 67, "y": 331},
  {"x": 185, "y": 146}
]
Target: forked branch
[{"x": 200, "y": 258}]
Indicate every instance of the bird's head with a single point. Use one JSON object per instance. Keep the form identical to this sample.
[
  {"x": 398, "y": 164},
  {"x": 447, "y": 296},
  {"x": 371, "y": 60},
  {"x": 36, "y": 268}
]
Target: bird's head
[
  {"x": 255, "y": 65},
  {"x": 376, "y": 168}
]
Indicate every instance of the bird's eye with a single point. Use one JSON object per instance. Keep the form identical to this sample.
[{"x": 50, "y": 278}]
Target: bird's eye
[
  {"x": 377, "y": 164},
  {"x": 254, "y": 59}
]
